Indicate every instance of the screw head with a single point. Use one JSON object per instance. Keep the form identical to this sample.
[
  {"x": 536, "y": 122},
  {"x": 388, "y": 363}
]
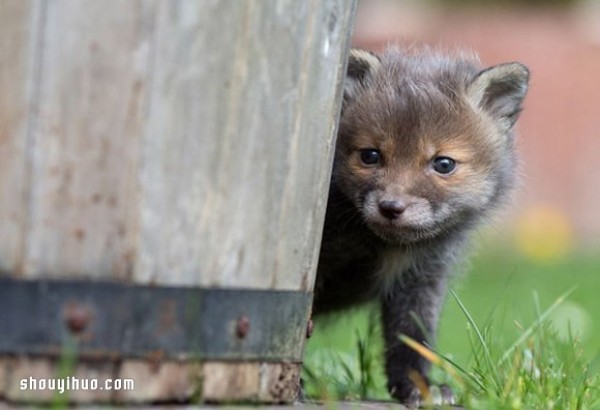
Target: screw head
[
  {"x": 77, "y": 317},
  {"x": 242, "y": 327}
]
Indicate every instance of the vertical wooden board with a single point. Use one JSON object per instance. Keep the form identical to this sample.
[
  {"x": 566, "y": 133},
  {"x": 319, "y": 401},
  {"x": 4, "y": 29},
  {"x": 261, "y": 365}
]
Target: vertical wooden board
[
  {"x": 193, "y": 75},
  {"x": 230, "y": 381},
  {"x": 253, "y": 381},
  {"x": 279, "y": 382},
  {"x": 176, "y": 157},
  {"x": 235, "y": 170},
  {"x": 85, "y": 142},
  {"x": 19, "y": 368},
  {"x": 161, "y": 381},
  {"x": 310, "y": 153},
  {"x": 17, "y": 48},
  {"x": 91, "y": 372}
]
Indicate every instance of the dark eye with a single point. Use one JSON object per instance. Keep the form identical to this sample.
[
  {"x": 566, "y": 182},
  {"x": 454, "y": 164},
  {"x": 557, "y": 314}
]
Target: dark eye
[
  {"x": 444, "y": 165},
  {"x": 370, "y": 156}
]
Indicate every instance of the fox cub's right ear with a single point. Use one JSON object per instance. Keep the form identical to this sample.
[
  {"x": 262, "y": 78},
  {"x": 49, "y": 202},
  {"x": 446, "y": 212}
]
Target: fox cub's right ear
[
  {"x": 500, "y": 91},
  {"x": 361, "y": 66}
]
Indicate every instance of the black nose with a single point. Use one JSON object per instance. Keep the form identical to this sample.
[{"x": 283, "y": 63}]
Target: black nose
[{"x": 391, "y": 209}]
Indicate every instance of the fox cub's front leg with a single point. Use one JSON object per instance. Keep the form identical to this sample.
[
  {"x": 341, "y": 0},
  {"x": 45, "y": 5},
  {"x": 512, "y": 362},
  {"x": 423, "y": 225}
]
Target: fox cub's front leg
[{"x": 411, "y": 309}]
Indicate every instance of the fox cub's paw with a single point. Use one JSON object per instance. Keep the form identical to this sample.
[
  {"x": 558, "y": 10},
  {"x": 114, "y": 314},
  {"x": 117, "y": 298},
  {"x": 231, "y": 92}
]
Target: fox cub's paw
[{"x": 413, "y": 398}]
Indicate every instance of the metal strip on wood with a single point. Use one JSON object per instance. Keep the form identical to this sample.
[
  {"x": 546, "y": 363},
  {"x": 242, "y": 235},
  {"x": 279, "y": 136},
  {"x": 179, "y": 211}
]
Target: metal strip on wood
[{"x": 110, "y": 321}]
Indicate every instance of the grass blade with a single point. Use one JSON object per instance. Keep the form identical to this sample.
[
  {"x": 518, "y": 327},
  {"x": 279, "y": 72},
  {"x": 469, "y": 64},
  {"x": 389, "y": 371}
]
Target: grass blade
[
  {"x": 488, "y": 357},
  {"x": 538, "y": 322},
  {"x": 462, "y": 371}
]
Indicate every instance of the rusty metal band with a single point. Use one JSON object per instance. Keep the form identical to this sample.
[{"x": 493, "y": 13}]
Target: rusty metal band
[{"x": 110, "y": 320}]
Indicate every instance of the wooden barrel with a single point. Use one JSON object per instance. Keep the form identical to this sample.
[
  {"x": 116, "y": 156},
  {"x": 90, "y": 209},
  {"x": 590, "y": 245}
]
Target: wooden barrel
[{"x": 164, "y": 170}]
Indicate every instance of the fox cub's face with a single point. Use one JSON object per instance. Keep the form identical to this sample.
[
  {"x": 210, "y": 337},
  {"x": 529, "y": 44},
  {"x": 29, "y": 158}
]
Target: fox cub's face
[{"x": 425, "y": 143}]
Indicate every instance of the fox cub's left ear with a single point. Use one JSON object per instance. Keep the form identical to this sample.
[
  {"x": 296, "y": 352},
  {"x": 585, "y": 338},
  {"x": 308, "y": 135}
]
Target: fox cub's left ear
[{"x": 500, "y": 91}]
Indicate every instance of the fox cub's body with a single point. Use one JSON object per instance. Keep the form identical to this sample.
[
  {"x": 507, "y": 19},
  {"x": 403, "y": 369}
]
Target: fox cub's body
[{"x": 424, "y": 151}]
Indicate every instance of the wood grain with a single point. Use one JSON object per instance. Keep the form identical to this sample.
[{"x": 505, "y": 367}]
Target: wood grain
[
  {"x": 244, "y": 140},
  {"x": 152, "y": 141},
  {"x": 83, "y": 199},
  {"x": 18, "y": 22}
]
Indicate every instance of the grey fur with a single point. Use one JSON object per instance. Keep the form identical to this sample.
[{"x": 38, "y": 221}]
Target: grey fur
[{"x": 401, "y": 103}]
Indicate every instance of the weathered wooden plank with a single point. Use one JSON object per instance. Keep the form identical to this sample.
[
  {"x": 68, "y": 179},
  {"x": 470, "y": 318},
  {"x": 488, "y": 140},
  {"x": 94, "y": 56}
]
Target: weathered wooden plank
[
  {"x": 22, "y": 368},
  {"x": 160, "y": 381},
  {"x": 18, "y": 20},
  {"x": 305, "y": 197},
  {"x": 262, "y": 382},
  {"x": 239, "y": 140},
  {"x": 83, "y": 202}
]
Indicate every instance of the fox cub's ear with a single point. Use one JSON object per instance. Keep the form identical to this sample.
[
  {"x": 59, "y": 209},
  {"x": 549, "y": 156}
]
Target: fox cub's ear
[
  {"x": 500, "y": 91},
  {"x": 361, "y": 66}
]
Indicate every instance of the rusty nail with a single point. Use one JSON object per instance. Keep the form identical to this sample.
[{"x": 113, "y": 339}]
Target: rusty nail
[
  {"x": 309, "y": 328},
  {"x": 242, "y": 327},
  {"x": 77, "y": 317}
]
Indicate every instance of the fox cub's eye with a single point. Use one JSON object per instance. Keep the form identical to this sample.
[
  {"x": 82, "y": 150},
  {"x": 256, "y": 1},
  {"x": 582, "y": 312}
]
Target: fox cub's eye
[
  {"x": 444, "y": 165},
  {"x": 370, "y": 156}
]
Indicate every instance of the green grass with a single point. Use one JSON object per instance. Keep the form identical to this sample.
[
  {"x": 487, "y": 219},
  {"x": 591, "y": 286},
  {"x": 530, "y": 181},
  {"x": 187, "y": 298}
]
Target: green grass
[
  {"x": 516, "y": 343},
  {"x": 539, "y": 370}
]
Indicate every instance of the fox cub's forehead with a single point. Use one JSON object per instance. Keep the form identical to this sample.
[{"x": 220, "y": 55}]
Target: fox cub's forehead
[
  {"x": 411, "y": 106},
  {"x": 424, "y": 82},
  {"x": 427, "y": 94},
  {"x": 402, "y": 94},
  {"x": 439, "y": 70}
]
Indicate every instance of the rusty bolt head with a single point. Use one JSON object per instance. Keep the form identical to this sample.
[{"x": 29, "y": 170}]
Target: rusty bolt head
[
  {"x": 242, "y": 327},
  {"x": 77, "y": 317},
  {"x": 309, "y": 328}
]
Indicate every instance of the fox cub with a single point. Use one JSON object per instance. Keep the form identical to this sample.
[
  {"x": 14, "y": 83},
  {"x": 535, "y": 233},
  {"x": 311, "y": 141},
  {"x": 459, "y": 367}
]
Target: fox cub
[{"x": 425, "y": 151}]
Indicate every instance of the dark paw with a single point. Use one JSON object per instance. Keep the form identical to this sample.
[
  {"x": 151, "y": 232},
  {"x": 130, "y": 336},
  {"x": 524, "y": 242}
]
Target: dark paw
[{"x": 433, "y": 395}]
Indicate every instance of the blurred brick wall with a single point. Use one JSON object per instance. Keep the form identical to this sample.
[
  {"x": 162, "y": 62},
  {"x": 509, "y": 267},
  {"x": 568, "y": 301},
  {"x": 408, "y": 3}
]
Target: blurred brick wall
[{"x": 559, "y": 130}]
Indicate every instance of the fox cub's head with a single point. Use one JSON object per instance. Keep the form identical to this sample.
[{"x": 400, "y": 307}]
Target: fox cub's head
[{"x": 425, "y": 146}]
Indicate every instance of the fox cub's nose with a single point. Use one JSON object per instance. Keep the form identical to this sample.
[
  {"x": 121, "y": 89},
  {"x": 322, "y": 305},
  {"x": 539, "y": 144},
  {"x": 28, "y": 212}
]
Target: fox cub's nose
[{"x": 391, "y": 209}]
